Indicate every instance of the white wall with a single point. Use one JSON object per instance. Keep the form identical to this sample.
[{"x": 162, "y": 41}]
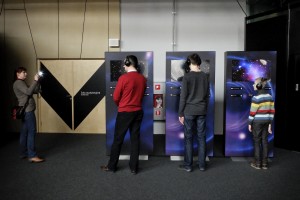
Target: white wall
[{"x": 200, "y": 25}]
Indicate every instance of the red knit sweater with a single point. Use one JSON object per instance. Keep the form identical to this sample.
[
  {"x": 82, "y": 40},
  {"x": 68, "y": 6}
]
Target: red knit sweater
[{"x": 129, "y": 92}]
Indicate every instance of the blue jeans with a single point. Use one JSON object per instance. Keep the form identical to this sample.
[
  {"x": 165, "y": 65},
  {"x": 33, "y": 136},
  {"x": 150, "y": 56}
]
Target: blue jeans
[
  {"x": 192, "y": 124},
  {"x": 27, "y": 135}
]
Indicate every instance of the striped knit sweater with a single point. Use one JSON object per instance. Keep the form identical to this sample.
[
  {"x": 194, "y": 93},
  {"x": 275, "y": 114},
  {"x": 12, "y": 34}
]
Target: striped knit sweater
[{"x": 262, "y": 108}]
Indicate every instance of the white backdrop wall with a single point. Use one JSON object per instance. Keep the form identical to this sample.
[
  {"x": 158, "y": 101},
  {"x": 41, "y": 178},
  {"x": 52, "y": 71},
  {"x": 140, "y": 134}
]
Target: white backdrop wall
[{"x": 198, "y": 25}]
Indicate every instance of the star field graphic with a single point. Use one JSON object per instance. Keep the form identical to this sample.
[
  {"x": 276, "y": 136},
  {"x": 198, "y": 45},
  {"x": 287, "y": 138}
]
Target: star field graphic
[
  {"x": 117, "y": 69},
  {"x": 178, "y": 68},
  {"x": 249, "y": 70},
  {"x": 143, "y": 68},
  {"x": 205, "y": 66}
]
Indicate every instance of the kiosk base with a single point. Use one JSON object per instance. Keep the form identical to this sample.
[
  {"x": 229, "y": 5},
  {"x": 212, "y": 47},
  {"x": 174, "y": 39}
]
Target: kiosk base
[
  {"x": 127, "y": 157},
  {"x": 179, "y": 158}
]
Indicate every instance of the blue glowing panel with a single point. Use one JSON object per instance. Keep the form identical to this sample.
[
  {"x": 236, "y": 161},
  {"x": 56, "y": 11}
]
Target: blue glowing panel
[
  {"x": 175, "y": 70},
  {"x": 114, "y": 62},
  {"x": 242, "y": 68}
]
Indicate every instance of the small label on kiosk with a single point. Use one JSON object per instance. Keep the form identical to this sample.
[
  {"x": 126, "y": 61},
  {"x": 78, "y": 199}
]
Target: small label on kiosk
[
  {"x": 236, "y": 95},
  {"x": 236, "y": 88}
]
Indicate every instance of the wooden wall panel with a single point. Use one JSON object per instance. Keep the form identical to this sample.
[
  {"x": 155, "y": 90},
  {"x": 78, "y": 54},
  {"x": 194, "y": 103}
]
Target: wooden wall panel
[
  {"x": 114, "y": 22},
  {"x": 95, "y": 121},
  {"x": 19, "y": 51},
  {"x": 18, "y": 42},
  {"x": 95, "y": 40},
  {"x": 72, "y": 75},
  {"x": 14, "y": 4},
  {"x": 48, "y": 121},
  {"x": 83, "y": 70},
  {"x": 71, "y": 17},
  {"x": 43, "y": 20},
  {"x": 62, "y": 70}
]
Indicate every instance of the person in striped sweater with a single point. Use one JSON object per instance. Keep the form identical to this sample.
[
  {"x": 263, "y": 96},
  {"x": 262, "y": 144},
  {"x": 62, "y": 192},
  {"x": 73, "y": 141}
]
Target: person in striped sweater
[{"x": 261, "y": 115}]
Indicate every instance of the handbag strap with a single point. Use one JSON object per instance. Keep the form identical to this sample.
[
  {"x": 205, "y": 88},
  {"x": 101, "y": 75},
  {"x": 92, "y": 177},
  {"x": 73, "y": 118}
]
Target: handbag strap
[{"x": 27, "y": 101}]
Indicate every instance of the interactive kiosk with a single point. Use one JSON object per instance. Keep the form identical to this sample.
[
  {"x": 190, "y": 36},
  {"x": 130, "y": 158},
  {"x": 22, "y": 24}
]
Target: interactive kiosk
[
  {"x": 114, "y": 63},
  {"x": 174, "y": 73},
  {"x": 242, "y": 68}
]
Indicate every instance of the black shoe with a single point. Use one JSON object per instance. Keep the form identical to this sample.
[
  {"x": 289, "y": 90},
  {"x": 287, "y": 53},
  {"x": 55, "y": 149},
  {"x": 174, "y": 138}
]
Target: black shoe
[
  {"x": 185, "y": 168},
  {"x": 23, "y": 157},
  {"x": 134, "y": 172},
  {"x": 255, "y": 166},
  {"x": 264, "y": 166},
  {"x": 202, "y": 169},
  {"x": 106, "y": 169}
]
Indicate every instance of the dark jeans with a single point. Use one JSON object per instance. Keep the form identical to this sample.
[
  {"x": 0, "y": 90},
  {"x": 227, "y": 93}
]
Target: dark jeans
[
  {"x": 192, "y": 124},
  {"x": 125, "y": 121},
  {"x": 260, "y": 138},
  {"x": 27, "y": 135}
]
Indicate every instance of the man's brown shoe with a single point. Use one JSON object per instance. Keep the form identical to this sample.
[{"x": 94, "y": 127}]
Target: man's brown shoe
[
  {"x": 106, "y": 169},
  {"x": 36, "y": 160}
]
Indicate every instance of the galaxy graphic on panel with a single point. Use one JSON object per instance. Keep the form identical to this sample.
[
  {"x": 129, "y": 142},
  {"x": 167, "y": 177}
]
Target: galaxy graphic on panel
[
  {"x": 178, "y": 69},
  {"x": 143, "y": 68},
  {"x": 205, "y": 66},
  {"x": 249, "y": 70},
  {"x": 116, "y": 69}
]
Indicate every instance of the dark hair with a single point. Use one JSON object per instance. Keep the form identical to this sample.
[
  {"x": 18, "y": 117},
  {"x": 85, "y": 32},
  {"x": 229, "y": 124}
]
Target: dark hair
[
  {"x": 131, "y": 60},
  {"x": 191, "y": 59},
  {"x": 19, "y": 70},
  {"x": 195, "y": 59}
]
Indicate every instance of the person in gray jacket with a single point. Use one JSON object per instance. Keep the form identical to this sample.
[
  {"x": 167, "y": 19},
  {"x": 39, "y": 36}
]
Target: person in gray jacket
[
  {"x": 28, "y": 128},
  {"x": 192, "y": 111}
]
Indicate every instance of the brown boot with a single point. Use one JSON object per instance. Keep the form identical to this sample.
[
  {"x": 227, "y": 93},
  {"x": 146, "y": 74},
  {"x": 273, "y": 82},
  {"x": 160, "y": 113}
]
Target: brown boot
[{"x": 36, "y": 160}]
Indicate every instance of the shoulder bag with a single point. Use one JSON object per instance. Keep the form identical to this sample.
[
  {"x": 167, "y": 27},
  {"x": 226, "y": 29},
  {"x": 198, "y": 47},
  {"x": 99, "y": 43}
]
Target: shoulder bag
[{"x": 18, "y": 112}]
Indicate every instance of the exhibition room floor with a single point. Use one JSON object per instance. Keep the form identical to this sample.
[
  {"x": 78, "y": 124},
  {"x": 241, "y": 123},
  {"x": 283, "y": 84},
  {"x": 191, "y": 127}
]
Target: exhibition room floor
[{"x": 72, "y": 171}]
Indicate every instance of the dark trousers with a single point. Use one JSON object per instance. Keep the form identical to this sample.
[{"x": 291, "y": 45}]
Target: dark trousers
[
  {"x": 260, "y": 138},
  {"x": 126, "y": 121}
]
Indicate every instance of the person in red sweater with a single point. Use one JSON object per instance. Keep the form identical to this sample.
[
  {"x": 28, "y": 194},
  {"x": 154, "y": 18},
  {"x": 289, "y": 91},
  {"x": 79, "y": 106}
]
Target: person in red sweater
[{"x": 128, "y": 96}]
